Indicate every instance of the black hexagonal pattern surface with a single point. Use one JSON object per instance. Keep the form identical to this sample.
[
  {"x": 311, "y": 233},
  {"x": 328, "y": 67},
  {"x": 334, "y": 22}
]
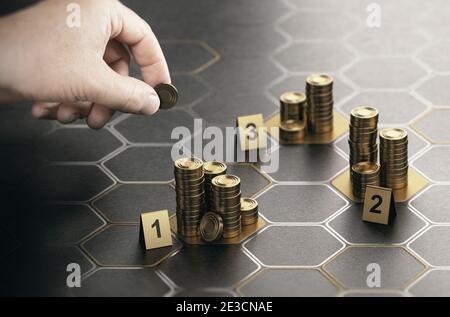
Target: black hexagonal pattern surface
[{"x": 228, "y": 59}]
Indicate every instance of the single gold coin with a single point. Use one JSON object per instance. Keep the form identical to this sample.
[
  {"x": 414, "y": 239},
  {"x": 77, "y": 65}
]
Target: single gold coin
[
  {"x": 168, "y": 94},
  {"x": 292, "y": 126},
  {"x": 364, "y": 112},
  {"x": 214, "y": 168},
  {"x": 227, "y": 181},
  {"x": 189, "y": 163},
  {"x": 319, "y": 80},
  {"x": 394, "y": 134},
  {"x": 248, "y": 204},
  {"x": 293, "y": 97},
  {"x": 366, "y": 168},
  {"x": 211, "y": 227}
]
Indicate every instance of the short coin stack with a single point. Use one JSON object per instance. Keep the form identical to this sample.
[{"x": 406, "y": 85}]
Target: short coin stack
[
  {"x": 211, "y": 170},
  {"x": 363, "y": 135},
  {"x": 226, "y": 191},
  {"x": 363, "y": 174},
  {"x": 190, "y": 195},
  {"x": 292, "y": 116},
  {"x": 249, "y": 211},
  {"x": 319, "y": 92},
  {"x": 394, "y": 158}
]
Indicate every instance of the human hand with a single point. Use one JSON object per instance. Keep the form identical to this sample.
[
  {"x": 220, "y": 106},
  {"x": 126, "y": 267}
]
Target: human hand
[{"x": 80, "y": 72}]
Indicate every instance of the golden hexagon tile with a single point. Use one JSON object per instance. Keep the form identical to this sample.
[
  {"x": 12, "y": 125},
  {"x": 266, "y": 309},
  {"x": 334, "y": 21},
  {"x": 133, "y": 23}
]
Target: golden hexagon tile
[
  {"x": 247, "y": 231},
  {"x": 340, "y": 127},
  {"x": 416, "y": 183}
]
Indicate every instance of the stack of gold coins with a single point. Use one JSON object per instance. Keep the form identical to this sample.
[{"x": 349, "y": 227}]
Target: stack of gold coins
[
  {"x": 226, "y": 191},
  {"x": 292, "y": 117},
  {"x": 319, "y": 92},
  {"x": 363, "y": 174},
  {"x": 363, "y": 135},
  {"x": 394, "y": 158},
  {"x": 292, "y": 131},
  {"x": 293, "y": 106},
  {"x": 249, "y": 211},
  {"x": 211, "y": 170},
  {"x": 190, "y": 195}
]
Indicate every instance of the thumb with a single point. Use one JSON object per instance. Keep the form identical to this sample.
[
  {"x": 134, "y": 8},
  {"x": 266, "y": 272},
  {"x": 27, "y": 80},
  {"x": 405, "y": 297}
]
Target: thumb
[{"x": 122, "y": 93}]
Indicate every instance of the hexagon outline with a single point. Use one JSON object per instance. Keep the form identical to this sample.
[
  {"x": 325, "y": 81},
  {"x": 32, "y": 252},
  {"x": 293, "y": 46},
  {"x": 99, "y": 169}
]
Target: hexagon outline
[
  {"x": 246, "y": 281},
  {"x": 410, "y": 205},
  {"x": 323, "y": 222},
  {"x": 372, "y": 291},
  {"x": 101, "y": 268},
  {"x": 116, "y": 178},
  {"x": 423, "y": 153},
  {"x": 128, "y": 143},
  {"x": 355, "y": 63},
  {"x": 418, "y": 255},
  {"x": 215, "y": 55},
  {"x": 348, "y": 50},
  {"x": 418, "y": 280},
  {"x": 87, "y": 201},
  {"x": 98, "y": 263},
  {"x": 422, "y": 116},
  {"x": 118, "y": 185},
  {"x": 263, "y": 265},
  {"x": 97, "y": 214},
  {"x": 411, "y": 237},
  {"x": 83, "y": 127},
  {"x": 405, "y": 249}
]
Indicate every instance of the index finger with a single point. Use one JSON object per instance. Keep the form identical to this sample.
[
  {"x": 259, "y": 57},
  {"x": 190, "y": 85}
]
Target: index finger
[{"x": 144, "y": 46}]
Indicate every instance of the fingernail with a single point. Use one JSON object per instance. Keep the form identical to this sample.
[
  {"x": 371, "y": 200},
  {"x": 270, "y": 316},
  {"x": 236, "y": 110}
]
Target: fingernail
[
  {"x": 152, "y": 106},
  {"x": 42, "y": 113}
]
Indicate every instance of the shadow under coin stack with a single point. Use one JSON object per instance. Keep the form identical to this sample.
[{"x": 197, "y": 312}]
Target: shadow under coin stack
[
  {"x": 226, "y": 191},
  {"x": 394, "y": 158},
  {"x": 363, "y": 135},
  {"x": 249, "y": 211},
  {"x": 319, "y": 92},
  {"x": 190, "y": 195},
  {"x": 211, "y": 170},
  {"x": 363, "y": 174},
  {"x": 292, "y": 117}
]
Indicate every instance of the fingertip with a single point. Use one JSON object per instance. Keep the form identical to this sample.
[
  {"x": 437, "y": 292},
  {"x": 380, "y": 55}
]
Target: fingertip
[
  {"x": 44, "y": 110},
  {"x": 99, "y": 117},
  {"x": 38, "y": 110},
  {"x": 153, "y": 105}
]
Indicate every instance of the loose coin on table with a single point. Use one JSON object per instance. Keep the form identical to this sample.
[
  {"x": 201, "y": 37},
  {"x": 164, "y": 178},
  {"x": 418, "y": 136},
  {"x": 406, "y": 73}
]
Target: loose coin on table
[
  {"x": 168, "y": 94},
  {"x": 211, "y": 227}
]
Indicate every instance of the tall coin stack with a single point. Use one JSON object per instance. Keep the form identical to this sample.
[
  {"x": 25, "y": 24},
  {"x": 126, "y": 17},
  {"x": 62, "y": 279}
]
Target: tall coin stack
[
  {"x": 211, "y": 170},
  {"x": 319, "y": 92},
  {"x": 394, "y": 158},
  {"x": 226, "y": 191},
  {"x": 363, "y": 135},
  {"x": 363, "y": 174},
  {"x": 190, "y": 195},
  {"x": 292, "y": 116}
]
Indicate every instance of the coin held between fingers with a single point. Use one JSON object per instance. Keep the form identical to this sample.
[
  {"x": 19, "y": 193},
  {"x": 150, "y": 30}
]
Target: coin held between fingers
[{"x": 168, "y": 94}]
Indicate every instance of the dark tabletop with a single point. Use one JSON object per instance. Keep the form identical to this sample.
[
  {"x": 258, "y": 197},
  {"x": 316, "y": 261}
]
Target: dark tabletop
[{"x": 231, "y": 58}]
